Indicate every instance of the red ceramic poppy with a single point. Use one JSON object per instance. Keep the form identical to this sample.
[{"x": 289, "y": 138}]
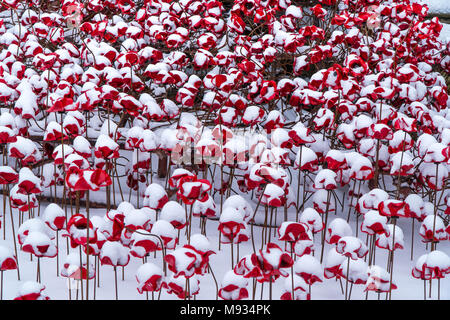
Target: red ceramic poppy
[
  {"x": 8, "y": 175},
  {"x": 150, "y": 278},
  {"x": 293, "y": 231},
  {"x": 31, "y": 291},
  {"x": 77, "y": 227}
]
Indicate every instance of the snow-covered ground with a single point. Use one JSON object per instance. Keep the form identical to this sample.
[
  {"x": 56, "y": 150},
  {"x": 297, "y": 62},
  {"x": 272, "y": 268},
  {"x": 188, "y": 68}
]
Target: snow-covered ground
[
  {"x": 445, "y": 32},
  {"x": 57, "y": 287},
  {"x": 437, "y": 6}
]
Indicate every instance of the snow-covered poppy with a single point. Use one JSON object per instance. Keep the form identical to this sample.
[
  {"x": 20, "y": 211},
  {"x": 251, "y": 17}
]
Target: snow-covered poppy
[
  {"x": 77, "y": 228},
  {"x": 306, "y": 159},
  {"x": 8, "y": 175},
  {"x": 106, "y": 148},
  {"x": 174, "y": 213},
  {"x": 322, "y": 202},
  {"x": 54, "y": 216},
  {"x": 72, "y": 269},
  {"x": 28, "y": 183},
  {"x": 8, "y": 260},
  {"x": 309, "y": 268},
  {"x": 177, "y": 175},
  {"x": 33, "y": 225},
  {"x": 150, "y": 278},
  {"x": 433, "y": 265},
  {"x": 392, "y": 208},
  {"x": 273, "y": 120},
  {"x": 374, "y": 223},
  {"x": 205, "y": 207},
  {"x": 313, "y": 219},
  {"x": 433, "y": 229},
  {"x": 114, "y": 254},
  {"x": 325, "y": 179},
  {"x": 335, "y": 160},
  {"x": 337, "y": 229},
  {"x": 21, "y": 201},
  {"x": 300, "y": 289},
  {"x": 356, "y": 269},
  {"x": 155, "y": 197},
  {"x": 293, "y": 231},
  {"x": 167, "y": 233},
  {"x": 182, "y": 261},
  {"x": 137, "y": 219},
  {"x": 333, "y": 264},
  {"x": 231, "y": 222},
  {"x": 177, "y": 286},
  {"x": 351, "y": 247},
  {"x": 379, "y": 280},
  {"x": 193, "y": 189},
  {"x": 31, "y": 290},
  {"x": 387, "y": 240},
  {"x": 234, "y": 287},
  {"x": 86, "y": 179},
  {"x": 39, "y": 244},
  {"x": 300, "y": 134},
  {"x": 271, "y": 261},
  {"x": 273, "y": 196}
]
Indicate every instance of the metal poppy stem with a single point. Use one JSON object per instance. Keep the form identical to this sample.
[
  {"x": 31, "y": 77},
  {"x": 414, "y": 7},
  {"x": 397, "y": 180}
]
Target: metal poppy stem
[
  {"x": 392, "y": 258},
  {"x": 115, "y": 281},
  {"x": 270, "y": 224},
  {"x": 230, "y": 183},
  {"x": 439, "y": 288},
  {"x": 137, "y": 174},
  {"x": 98, "y": 272},
  {"x": 340, "y": 283},
  {"x": 424, "y": 289},
  {"x": 374, "y": 248},
  {"x": 346, "y": 278},
  {"x": 325, "y": 226},
  {"x": 87, "y": 244},
  {"x": 351, "y": 201},
  {"x": 81, "y": 271},
  {"x": 433, "y": 243},
  {"x": 95, "y": 276},
  {"x": 221, "y": 191},
  {"x": 38, "y": 270},
  {"x": 253, "y": 218},
  {"x": 4, "y": 210},
  {"x": 118, "y": 181},
  {"x": 357, "y": 216},
  {"x": 215, "y": 280},
  {"x": 70, "y": 289},
  {"x": 292, "y": 269},
  {"x": 231, "y": 245},
  {"x": 263, "y": 231},
  {"x": 431, "y": 282},
  {"x": 304, "y": 192},
  {"x": 412, "y": 239},
  {"x": 270, "y": 288},
  {"x": 14, "y": 237},
  {"x": 1, "y": 286},
  {"x": 108, "y": 190},
  {"x": 298, "y": 185},
  {"x": 57, "y": 254},
  {"x": 190, "y": 223},
  {"x": 350, "y": 293}
]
